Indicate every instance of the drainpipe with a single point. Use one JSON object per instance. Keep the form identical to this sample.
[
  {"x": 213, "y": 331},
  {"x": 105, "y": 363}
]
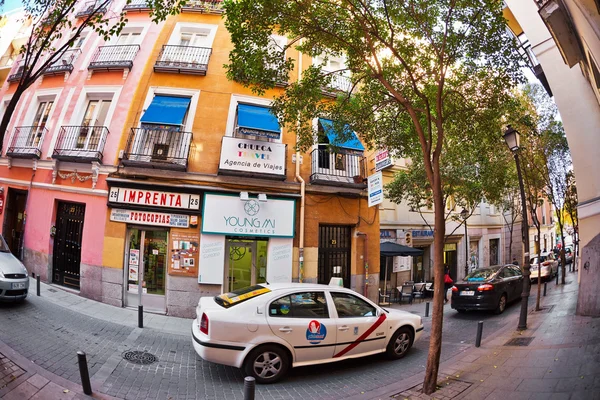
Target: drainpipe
[
  {"x": 302, "y": 193},
  {"x": 366, "y": 262}
]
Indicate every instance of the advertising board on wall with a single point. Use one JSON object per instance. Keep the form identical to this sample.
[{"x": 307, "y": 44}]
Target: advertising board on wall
[
  {"x": 382, "y": 160},
  {"x": 154, "y": 198},
  {"x": 252, "y": 156},
  {"x": 149, "y": 218},
  {"x": 375, "y": 188}
]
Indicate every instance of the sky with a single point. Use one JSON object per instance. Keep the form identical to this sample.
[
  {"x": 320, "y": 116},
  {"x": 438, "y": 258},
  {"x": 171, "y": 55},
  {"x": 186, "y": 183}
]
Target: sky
[{"x": 10, "y": 5}]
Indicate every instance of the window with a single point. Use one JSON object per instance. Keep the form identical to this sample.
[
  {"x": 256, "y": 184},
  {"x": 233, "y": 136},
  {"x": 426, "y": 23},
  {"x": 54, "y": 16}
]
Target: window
[
  {"x": 127, "y": 38},
  {"x": 194, "y": 39},
  {"x": 256, "y": 122},
  {"x": 300, "y": 305},
  {"x": 193, "y": 35},
  {"x": 39, "y": 123},
  {"x": 92, "y": 125},
  {"x": 350, "y": 306}
]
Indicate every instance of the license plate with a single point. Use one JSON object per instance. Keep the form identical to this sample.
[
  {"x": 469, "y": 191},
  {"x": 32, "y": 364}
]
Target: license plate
[
  {"x": 18, "y": 285},
  {"x": 467, "y": 293}
]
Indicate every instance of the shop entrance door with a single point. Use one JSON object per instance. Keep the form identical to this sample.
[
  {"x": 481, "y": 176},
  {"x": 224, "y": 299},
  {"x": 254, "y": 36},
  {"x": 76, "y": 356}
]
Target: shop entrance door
[
  {"x": 14, "y": 221},
  {"x": 146, "y": 269},
  {"x": 66, "y": 258},
  {"x": 246, "y": 263}
]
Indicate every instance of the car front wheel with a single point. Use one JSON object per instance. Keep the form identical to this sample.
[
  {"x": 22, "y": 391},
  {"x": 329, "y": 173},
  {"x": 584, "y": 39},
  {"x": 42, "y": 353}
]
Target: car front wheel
[
  {"x": 400, "y": 343},
  {"x": 267, "y": 364}
]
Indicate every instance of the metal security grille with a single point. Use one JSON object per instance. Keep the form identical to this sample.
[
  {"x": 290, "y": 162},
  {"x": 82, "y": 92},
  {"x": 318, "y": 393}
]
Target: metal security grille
[
  {"x": 67, "y": 244},
  {"x": 334, "y": 253}
]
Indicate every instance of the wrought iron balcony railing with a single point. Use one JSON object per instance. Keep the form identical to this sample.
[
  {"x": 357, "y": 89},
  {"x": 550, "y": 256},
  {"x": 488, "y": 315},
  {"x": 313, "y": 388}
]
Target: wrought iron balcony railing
[
  {"x": 80, "y": 143},
  {"x": 203, "y": 6},
  {"x": 183, "y": 60},
  {"x": 158, "y": 148},
  {"x": 339, "y": 84},
  {"x": 341, "y": 168},
  {"x": 137, "y": 5},
  {"x": 92, "y": 7},
  {"x": 27, "y": 142},
  {"x": 17, "y": 72},
  {"x": 114, "y": 58},
  {"x": 63, "y": 64}
]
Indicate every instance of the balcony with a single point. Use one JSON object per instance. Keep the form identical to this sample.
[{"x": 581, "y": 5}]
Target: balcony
[
  {"x": 80, "y": 143},
  {"x": 17, "y": 72},
  {"x": 253, "y": 158},
  {"x": 92, "y": 7},
  {"x": 558, "y": 21},
  {"x": 338, "y": 169},
  {"x": 114, "y": 58},
  {"x": 158, "y": 148},
  {"x": 340, "y": 84},
  {"x": 203, "y": 6},
  {"x": 183, "y": 60},
  {"x": 7, "y": 61},
  {"x": 27, "y": 142},
  {"x": 63, "y": 64},
  {"x": 137, "y": 5}
]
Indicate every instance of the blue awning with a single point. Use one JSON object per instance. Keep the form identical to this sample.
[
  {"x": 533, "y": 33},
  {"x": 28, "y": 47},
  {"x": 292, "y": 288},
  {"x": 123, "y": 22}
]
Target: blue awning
[
  {"x": 257, "y": 121},
  {"x": 166, "y": 110},
  {"x": 353, "y": 143}
]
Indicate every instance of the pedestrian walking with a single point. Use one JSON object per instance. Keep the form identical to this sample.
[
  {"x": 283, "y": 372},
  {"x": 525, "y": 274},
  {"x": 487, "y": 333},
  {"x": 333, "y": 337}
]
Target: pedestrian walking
[{"x": 448, "y": 282}]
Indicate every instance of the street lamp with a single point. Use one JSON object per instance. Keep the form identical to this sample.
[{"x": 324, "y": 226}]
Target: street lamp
[
  {"x": 511, "y": 136},
  {"x": 465, "y": 214}
]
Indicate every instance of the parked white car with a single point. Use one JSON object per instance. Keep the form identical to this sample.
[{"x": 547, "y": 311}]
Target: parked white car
[
  {"x": 544, "y": 262},
  {"x": 266, "y": 329},
  {"x": 14, "y": 282}
]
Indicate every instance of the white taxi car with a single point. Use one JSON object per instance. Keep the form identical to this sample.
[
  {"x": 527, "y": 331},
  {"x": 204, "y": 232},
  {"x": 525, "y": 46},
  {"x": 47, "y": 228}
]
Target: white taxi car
[{"x": 266, "y": 329}]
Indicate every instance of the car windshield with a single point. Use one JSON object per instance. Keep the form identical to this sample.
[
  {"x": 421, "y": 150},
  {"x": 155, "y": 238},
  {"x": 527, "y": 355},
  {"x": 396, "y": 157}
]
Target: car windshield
[
  {"x": 3, "y": 246},
  {"x": 240, "y": 295},
  {"x": 482, "y": 274}
]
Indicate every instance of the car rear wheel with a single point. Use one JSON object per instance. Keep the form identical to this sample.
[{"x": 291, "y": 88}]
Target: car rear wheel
[
  {"x": 501, "y": 305},
  {"x": 267, "y": 364},
  {"x": 400, "y": 343}
]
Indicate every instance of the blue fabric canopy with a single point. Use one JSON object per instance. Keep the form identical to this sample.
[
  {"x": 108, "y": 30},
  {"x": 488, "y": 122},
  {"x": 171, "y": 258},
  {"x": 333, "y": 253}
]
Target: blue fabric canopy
[
  {"x": 257, "y": 121},
  {"x": 353, "y": 143},
  {"x": 166, "y": 110}
]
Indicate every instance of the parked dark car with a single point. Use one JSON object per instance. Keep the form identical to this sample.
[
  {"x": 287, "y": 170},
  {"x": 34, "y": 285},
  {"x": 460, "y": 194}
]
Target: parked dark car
[{"x": 490, "y": 288}]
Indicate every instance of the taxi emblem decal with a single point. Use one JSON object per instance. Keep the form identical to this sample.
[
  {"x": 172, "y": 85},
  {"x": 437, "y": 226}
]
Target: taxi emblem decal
[{"x": 315, "y": 332}]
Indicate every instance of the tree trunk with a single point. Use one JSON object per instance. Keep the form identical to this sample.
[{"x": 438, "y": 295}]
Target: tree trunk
[
  {"x": 510, "y": 242},
  {"x": 437, "y": 317},
  {"x": 563, "y": 259},
  {"x": 539, "y": 280},
  {"x": 8, "y": 113}
]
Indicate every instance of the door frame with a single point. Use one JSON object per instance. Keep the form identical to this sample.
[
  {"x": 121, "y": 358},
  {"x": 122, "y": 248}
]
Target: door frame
[
  {"x": 253, "y": 248},
  {"x": 11, "y": 194}
]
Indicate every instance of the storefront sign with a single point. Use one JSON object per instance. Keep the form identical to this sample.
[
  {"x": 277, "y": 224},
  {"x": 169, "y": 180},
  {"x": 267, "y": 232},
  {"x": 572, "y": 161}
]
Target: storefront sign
[
  {"x": 154, "y": 198},
  {"x": 185, "y": 246},
  {"x": 422, "y": 234},
  {"x": 375, "y": 185},
  {"x": 252, "y": 156},
  {"x": 228, "y": 215},
  {"x": 149, "y": 218},
  {"x": 382, "y": 160}
]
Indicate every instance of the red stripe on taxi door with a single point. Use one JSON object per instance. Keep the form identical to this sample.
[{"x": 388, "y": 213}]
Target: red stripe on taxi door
[{"x": 362, "y": 337}]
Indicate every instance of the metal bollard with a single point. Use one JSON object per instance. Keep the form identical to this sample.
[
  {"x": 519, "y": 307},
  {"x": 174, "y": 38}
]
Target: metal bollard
[
  {"x": 140, "y": 316},
  {"x": 479, "y": 332},
  {"x": 545, "y": 283},
  {"x": 83, "y": 371},
  {"x": 37, "y": 287},
  {"x": 557, "y": 271},
  {"x": 249, "y": 388},
  {"x": 427, "y": 309}
]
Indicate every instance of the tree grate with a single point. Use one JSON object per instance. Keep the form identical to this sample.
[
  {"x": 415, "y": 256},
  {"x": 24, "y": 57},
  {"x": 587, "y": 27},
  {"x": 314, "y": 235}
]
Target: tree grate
[
  {"x": 139, "y": 357},
  {"x": 520, "y": 341},
  {"x": 545, "y": 310}
]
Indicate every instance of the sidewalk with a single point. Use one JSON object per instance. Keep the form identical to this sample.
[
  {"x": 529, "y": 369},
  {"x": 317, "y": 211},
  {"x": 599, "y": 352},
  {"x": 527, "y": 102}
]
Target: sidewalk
[{"x": 557, "y": 357}]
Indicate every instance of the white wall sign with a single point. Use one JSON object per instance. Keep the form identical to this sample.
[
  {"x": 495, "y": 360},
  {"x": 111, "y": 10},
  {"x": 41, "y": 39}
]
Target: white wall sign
[
  {"x": 375, "y": 185},
  {"x": 212, "y": 259},
  {"x": 252, "y": 156},
  {"x": 402, "y": 264},
  {"x": 279, "y": 260},
  {"x": 154, "y": 198},
  {"x": 227, "y": 214},
  {"x": 149, "y": 218},
  {"x": 382, "y": 160}
]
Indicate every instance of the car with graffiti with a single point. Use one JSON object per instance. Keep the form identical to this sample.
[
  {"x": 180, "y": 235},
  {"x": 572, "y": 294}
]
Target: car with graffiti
[{"x": 267, "y": 329}]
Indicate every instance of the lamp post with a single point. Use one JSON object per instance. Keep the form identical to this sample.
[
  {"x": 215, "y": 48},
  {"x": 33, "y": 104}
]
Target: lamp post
[
  {"x": 465, "y": 214},
  {"x": 511, "y": 136}
]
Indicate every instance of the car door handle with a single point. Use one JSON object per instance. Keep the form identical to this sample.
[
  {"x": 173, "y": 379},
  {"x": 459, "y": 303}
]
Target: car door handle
[
  {"x": 285, "y": 329},
  {"x": 343, "y": 328}
]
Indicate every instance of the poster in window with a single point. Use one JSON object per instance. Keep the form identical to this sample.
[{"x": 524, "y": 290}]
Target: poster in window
[{"x": 184, "y": 252}]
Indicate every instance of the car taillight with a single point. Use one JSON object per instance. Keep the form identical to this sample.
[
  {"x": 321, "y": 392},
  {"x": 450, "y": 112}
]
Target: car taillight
[
  {"x": 483, "y": 288},
  {"x": 454, "y": 289},
  {"x": 204, "y": 324}
]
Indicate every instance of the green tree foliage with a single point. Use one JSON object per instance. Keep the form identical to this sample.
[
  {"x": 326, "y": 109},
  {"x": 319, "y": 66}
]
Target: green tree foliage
[
  {"x": 56, "y": 27},
  {"x": 424, "y": 76}
]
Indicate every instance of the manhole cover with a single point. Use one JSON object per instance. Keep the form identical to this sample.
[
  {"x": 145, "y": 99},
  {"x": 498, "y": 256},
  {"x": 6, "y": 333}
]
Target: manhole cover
[
  {"x": 520, "y": 341},
  {"x": 139, "y": 357}
]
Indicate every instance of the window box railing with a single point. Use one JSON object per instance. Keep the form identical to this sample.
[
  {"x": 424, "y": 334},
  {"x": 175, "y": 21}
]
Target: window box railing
[
  {"x": 137, "y": 5},
  {"x": 342, "y": 168},
  {"x": 339, "y": 84},
  {"x": 17, "y": 72},
  {"x": 64, "y": 63},
  {"x": 183, "y": 59},
  {"x": 27, "y": 142},
  {"x": 80, "y": 143},
  {"x": 203, "y": 6},
  {"x": 112, "y": 58},
  {"x": 158, "y": 148},
  {"x": 92, "y": 7}
]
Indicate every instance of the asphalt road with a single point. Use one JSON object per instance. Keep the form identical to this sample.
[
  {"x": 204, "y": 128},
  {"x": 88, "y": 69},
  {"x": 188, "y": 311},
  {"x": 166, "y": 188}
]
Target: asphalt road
[{"x": 50, "y": 335}]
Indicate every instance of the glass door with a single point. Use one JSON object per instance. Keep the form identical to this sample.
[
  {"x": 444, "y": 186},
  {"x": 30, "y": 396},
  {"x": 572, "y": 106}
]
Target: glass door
[
  {"x": 146, "y": 269},
  {"x": 246, "y": 263}
]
